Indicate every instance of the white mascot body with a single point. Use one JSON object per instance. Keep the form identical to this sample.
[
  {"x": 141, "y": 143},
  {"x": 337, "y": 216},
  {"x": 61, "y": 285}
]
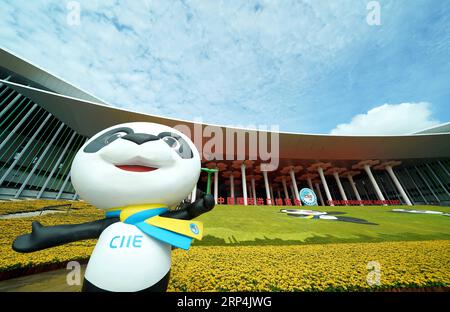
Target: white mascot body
[
  {"x": 125, "y": 259},
  {"x": 157, "y": 175},
  {"x": 136, "y": 171}
]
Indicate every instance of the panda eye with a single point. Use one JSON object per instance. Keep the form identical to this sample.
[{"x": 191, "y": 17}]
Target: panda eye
[
  {"x": 114, "y": 137},
  {"x": 103, "y": 140},
  {"x": 177, "y": 143},
  {"x": 172, "y": 142}
]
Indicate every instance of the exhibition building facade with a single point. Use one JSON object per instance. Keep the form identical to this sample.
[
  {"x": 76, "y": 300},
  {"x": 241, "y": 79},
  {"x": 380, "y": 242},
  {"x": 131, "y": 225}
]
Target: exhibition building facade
[{"x": 45, "y": 120}]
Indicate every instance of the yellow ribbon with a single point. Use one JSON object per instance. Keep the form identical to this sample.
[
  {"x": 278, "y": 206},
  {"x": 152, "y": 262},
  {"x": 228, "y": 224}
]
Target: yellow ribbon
[{"x": 193, "y": 229}]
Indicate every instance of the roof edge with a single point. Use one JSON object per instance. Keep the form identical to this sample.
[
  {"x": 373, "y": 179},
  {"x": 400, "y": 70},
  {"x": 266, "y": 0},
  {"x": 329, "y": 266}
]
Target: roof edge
[
  {"x": 441, "y": 128},
  {"x": 30, "y": 90}
]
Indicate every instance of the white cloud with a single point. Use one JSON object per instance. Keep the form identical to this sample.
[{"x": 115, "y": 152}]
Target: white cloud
[
  {"x": 389, "y": 119},
  {"x": 235, "y": 61}
]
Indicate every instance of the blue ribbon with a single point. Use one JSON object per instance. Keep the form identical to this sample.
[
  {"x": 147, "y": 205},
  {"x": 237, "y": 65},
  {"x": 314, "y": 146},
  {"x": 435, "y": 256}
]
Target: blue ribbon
[{"x": 166, "y": 236}]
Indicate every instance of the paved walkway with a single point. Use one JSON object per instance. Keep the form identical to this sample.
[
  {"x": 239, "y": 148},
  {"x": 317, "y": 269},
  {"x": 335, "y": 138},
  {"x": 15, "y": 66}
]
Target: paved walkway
[{"x": 53, "y": 281}]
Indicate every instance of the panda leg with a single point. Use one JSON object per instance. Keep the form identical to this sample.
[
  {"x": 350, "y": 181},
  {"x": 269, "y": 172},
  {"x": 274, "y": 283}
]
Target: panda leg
[
  {"x": 89, "y": 287},
  {"x": 160, "y": 286}
]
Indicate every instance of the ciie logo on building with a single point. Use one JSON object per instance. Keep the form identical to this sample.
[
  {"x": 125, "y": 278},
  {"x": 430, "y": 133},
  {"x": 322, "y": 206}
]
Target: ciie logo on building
[
  {"x": 236, "y": 143},
  {"x": 308, "y": 197}
]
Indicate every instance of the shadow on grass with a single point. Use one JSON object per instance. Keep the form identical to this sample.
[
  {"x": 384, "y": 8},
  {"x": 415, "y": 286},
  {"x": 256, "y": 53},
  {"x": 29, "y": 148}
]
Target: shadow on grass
[{"x": 210, "y": 240}]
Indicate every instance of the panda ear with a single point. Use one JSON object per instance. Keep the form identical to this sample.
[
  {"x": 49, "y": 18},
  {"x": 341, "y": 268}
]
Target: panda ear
[{"x": 102, "y": 140}]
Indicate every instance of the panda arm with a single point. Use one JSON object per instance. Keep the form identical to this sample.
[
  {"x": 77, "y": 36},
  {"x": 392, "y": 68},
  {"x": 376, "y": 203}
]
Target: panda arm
[
  {"x": 42, "y": 237},
  {"x": 190, "y": 211}
]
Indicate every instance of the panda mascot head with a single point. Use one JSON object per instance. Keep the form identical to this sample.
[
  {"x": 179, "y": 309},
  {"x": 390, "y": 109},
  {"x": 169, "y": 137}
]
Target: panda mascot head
[{"x": 136, "y": 163}]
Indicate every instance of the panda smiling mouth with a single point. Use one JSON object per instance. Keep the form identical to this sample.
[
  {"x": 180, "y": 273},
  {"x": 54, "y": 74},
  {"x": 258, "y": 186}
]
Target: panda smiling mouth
[{"x": 136, "y": 168}]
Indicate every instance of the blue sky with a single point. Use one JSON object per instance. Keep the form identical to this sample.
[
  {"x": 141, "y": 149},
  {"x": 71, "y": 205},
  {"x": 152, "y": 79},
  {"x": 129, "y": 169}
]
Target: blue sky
[{"x": 307, "y": 66}]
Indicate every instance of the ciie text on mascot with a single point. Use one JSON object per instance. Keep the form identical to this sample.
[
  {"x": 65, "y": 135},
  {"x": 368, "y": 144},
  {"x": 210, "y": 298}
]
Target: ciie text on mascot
[{"x": 138, "y": 173}]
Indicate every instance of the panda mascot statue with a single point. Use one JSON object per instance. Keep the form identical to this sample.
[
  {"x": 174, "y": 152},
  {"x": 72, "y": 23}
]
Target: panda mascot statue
[{"x": 138, "y": 173}]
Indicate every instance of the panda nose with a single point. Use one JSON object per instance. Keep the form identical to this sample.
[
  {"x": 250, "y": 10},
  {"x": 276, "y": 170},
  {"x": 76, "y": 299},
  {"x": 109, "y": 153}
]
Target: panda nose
[{"x": 140, "y": 138}]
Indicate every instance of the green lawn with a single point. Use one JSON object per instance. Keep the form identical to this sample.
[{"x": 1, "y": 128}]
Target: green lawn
[{"x": 229, "y": 225}]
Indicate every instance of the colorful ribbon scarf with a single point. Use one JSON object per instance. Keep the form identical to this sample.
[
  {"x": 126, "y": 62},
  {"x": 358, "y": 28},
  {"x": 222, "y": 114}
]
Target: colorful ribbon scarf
[{"x": 178, "y": 233}]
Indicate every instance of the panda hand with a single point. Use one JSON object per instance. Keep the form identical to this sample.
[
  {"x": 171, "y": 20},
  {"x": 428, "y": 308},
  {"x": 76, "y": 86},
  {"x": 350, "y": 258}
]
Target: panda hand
[
  {"x": 202, "y": 205},
  {"x": 208, "y": 202},
  {"x": 29, "y": 242},
  {"x": 42, "y": 237}
]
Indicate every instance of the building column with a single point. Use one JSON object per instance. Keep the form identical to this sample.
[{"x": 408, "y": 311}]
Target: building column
[
  {"x": 443, "y": 167},
  {"x": 39, "y": 160},
  {"x": 382, "y": 187},
  {"x": 325, "y": 185},
  {"x": 283, "y": 181},
  {"x": 10, "y": 105},
  {"x": 364, "y": 188},
  {"x": 398, "y": 185},
  {"x": 355, "y": 190},
  {"x": 21, "y": 122},
  {"x": 253, "y": 190},
  {"x": 437, "y": 178},
  {"x": 58, "y": 196},
  {"x": 339, "y": 184},
  {"x": 244, "y": 184},
  {"x": 266, "y": 184},
  {"x": 319, "y": 192},
  {"x": 30, "y": 141},
  {"x": 56, "y": 165},
  {"x": 391, "y": 185},
  {"x": 405, "y": 188},
  {"x": 232, "y": 186},
  {"x": 294, "y": 184},
  {"x": 374, "y": 183},
  {"x": 416, "y": 186},
  {"x": 310, "y": 185},
  {"x": 426, "y": 183},
  {"x": 271, "y": 194}
]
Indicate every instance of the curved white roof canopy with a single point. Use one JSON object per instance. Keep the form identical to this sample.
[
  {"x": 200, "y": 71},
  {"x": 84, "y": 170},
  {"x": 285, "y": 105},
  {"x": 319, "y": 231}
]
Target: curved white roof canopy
[
  {"x": 87, "y": 115},
  {"x": 87, "y": 118}
]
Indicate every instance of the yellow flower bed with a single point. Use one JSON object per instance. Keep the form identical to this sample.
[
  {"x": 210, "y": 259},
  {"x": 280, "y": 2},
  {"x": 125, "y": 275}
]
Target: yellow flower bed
[
  {"x": 330, "y": 267},
  {"x": 31, "y": 205}
]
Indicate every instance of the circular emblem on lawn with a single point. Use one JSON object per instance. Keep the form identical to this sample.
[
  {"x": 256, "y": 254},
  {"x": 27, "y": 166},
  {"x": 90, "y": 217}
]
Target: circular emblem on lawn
[
  {"x": 194, "y": 228},
  {"x": 308, "y": 197}
]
